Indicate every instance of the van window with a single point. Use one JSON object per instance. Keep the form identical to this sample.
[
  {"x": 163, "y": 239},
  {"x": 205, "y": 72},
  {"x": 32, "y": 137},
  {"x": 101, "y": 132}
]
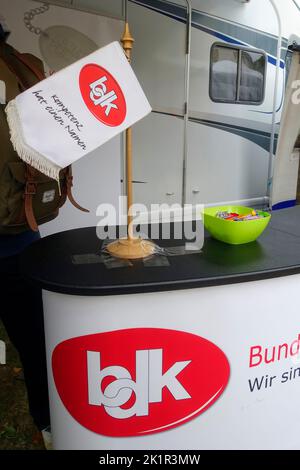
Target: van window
[{"x": 237, "y": 75}]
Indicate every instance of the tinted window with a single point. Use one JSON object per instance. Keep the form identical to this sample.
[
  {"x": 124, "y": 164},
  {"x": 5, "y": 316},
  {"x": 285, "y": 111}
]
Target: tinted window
[
  {"x": 237, "y": 75},
  {"x": 252, "y": 77},
  {"x": 224, "y": 73}
]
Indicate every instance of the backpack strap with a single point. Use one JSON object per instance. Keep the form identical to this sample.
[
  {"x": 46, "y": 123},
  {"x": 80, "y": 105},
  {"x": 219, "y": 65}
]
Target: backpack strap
[
  {"x": 24, "y": 59},
  {"x": 29, "y": 192},
  {"x": 69, "y": 184},
  {"x": 19, "y": 80},
  {"x": 40, "y": 75}
]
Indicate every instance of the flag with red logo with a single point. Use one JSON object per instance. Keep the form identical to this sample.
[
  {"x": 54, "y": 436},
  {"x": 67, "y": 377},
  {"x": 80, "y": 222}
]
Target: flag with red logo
[{"x": 76, "y": 110}]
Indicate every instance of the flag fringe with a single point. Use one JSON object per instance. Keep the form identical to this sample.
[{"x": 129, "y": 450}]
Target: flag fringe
[{"x": 25, "y": 152}]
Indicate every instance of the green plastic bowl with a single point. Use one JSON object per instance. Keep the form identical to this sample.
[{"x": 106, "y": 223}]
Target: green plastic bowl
[{"x": 234, "y": 233}]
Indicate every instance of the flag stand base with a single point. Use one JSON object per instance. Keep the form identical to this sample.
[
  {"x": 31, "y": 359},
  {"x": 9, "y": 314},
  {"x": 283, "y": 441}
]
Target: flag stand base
[{"x": 131, "y": 248}]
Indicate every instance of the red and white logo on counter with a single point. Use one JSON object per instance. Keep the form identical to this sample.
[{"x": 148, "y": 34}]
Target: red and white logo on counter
[
  {"x": 102, "y": 95},
  {"x": 138, "y": 381}
]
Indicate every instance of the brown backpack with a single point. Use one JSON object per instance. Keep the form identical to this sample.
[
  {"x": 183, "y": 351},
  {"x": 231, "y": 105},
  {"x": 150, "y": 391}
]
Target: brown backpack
[{"x": 28, "y": 198}]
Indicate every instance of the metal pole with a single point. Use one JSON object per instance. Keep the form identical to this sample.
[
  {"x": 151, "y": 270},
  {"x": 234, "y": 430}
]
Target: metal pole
[
  {"x": 125, "y": 9},
  {"x": 273, "y": 129},
  {"x": 187, "y": 98}
]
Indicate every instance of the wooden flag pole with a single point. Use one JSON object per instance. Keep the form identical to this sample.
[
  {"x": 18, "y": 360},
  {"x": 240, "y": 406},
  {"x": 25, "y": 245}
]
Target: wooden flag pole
[
  {"x": 127, "y": 42},
  {"x": 130, "y": 247}
]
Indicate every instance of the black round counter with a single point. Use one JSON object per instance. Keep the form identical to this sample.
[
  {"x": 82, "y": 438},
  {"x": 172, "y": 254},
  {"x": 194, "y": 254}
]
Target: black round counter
[{"x": 70, "y": 263}]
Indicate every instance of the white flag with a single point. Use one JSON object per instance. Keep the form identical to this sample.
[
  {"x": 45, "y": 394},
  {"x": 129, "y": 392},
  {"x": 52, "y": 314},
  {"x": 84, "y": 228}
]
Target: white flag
[{"x": 76, "y": 110}]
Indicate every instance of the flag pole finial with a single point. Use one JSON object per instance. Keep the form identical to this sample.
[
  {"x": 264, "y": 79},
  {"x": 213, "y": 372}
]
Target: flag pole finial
[{"x": 127, "y": 41}]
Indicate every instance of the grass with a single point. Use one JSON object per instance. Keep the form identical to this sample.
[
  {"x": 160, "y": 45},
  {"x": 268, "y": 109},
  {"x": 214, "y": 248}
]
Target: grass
[{"x": 17, "y": 430}]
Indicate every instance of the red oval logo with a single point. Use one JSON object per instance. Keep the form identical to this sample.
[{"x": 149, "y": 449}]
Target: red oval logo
[
  {"x": 138, "y": 381},
  {"x": 102, "y": 95}
]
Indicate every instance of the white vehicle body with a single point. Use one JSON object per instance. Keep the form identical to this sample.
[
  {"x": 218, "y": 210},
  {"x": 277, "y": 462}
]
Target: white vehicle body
[
  {"x": 228, "y": 145},
  {"x": 191, "y": 149}
]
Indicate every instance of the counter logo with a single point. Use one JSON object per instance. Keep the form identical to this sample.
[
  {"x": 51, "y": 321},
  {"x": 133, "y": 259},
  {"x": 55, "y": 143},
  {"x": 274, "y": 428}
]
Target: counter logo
[
  {"x": 148, "y": 386},
  {"x": 102, "y": 95},
  {"x": 138, "y": 381}
]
